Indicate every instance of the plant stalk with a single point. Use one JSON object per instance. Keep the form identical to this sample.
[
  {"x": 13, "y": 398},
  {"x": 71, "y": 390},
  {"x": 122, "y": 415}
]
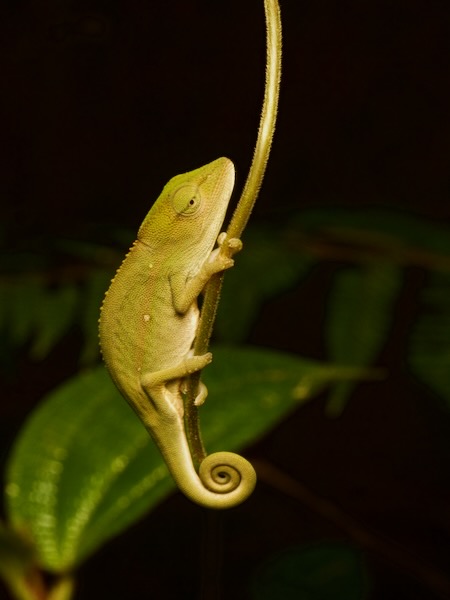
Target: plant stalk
[{"x": 242, "y": 213}]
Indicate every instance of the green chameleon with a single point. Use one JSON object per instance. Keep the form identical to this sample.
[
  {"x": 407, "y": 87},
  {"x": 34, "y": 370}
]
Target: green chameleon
[{"x": 149, "y": 320}]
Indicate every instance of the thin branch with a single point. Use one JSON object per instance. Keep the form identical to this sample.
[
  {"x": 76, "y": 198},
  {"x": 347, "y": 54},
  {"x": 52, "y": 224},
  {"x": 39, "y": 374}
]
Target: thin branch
[
  {"x": 243, "y": 209},
  {"x": 361, "y": 247},
  {"x": 369, "y": 540},
  {"x": 267, "y": 122}
]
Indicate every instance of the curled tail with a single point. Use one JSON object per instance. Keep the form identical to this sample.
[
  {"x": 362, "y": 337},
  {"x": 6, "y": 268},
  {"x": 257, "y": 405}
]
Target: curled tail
[
  {"x": 229, "y": 478},
  {"x": 224, "y": 480}
]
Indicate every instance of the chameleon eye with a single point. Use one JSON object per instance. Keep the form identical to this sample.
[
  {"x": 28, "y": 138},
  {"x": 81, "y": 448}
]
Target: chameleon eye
[{"x": 186, "y": 200}]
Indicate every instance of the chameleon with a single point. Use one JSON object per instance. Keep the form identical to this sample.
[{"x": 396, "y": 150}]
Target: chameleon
[{"x": 149, "y": 318}]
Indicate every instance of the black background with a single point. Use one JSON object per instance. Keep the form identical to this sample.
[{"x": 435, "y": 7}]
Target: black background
[{"x": 102, "y": 102}]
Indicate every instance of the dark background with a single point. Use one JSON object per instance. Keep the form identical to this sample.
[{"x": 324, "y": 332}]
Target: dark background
[{"x": 102, "y": 102}]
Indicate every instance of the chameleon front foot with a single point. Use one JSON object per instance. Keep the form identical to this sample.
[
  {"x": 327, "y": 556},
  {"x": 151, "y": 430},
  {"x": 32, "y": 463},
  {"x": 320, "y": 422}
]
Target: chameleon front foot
[{"x": 229, "y": 246}]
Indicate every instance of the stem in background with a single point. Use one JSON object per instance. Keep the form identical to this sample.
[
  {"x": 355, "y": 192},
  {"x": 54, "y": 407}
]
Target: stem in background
[
  {"x": 30, "y": 585},
  {"x": 211, "y": 555},
  {"x": 242, "y": 212},
  {"x": 392, "y": 552},
  {"x": 63, "y": 589}
]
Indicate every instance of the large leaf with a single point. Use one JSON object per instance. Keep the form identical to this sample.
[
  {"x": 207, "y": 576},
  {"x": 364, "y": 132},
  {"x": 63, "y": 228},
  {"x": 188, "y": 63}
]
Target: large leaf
[
  {"x": 319, "y": 572},
  {"x": 360, "y": 313},
  {"x": 429, "y": 352},
  {"x": 83, "y": 467}
]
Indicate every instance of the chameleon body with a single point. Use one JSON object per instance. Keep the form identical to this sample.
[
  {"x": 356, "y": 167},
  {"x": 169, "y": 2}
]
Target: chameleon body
[{"x": 149, "y": 320}]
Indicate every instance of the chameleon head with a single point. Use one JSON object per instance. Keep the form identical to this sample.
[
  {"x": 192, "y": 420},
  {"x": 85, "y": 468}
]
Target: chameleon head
[{"x": 191, "y": 209}]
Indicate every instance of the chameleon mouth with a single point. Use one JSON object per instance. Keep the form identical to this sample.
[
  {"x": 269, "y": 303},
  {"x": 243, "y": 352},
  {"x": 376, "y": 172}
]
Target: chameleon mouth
[{"x": 221, "y": 178}]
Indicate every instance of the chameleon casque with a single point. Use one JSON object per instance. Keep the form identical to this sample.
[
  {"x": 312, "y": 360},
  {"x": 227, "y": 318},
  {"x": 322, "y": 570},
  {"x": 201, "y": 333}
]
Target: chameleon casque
[{"x": 149, "y": 320}]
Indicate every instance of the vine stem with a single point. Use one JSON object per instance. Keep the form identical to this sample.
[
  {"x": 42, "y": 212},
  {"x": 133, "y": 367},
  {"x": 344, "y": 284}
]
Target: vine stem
[
  {"x": 390, "y": 551},
  {"x": 63, "y": 589},
  {"x": 241, "y": 213}
]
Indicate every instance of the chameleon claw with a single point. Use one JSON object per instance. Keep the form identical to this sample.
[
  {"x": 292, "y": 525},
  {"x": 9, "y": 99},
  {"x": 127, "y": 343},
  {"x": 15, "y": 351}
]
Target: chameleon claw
[
  {"x": 202, "y": 394},
  {"x": 229, "y": 245},
  {"x": 197, "y": 363},
  {"x": 234, "y": 245}
]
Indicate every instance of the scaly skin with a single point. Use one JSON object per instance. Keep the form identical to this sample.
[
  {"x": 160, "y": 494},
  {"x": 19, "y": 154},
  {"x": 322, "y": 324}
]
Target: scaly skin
[{"x": 149, "y": 320}]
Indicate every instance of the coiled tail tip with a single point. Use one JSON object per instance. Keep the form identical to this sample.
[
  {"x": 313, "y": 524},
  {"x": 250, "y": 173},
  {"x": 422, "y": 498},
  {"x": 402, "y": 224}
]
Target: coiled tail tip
[{"x": 229, "y": 477}]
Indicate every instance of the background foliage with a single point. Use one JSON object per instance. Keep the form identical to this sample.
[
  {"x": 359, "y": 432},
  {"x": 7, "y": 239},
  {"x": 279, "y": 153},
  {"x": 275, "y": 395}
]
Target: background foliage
[
  {"x": 102, "y": 103},
  {"x": 83, "y": 469}
]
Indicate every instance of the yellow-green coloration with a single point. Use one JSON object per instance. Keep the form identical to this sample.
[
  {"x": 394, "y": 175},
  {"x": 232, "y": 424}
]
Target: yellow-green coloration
[{"x": 149, "y": 320}]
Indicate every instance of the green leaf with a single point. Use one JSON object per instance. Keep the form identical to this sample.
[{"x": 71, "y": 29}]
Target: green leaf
[
  {"x": 360, "y": 313},
  {"x": 21, "y": 301},
  {"x": 253, "y": 389},
  {"x": 32, "y": 313},
  {"x": 266, "y": 267},
  {"x": 81, "y": 459},
  {"x": 54, "y": 314},
  {"x": 83, "y": 468},
  {"x": 429, "y": 351},
  {"x": 321, "y": 572}
]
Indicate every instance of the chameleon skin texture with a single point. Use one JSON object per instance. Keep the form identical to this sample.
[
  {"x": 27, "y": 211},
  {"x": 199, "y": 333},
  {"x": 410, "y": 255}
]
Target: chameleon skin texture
[{"x": 149, "y": 319}]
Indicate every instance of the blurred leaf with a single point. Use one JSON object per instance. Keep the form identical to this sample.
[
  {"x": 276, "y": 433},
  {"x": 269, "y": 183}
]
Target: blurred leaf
[
  {"x": 429, "y": 351},
  {"x": 382, "y": 228},
  {"x": 266, "y": 267},
  {"x": 321, "y": 572},
  {"x": 16, "y": 262},
  {"x": 16, "y": 563},
  {"x": 33, "y": 313},
  {"x": 14, "y": 551},
  {"x": 360, "y": 312},
  {"x": 54, "y": 314},
  {"x": 21, "y": 301},
  {"x": 83, "y": 468},
  {"x": 41, "y": 302}
]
